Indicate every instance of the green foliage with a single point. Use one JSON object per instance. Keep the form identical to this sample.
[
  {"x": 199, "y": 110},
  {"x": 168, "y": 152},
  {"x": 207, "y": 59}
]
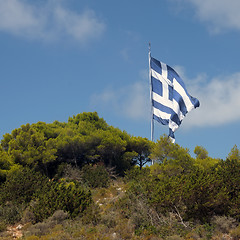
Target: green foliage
[
  {"x": 95, "y": 176},
  {"x": 176, "y": 159},
  {"x": 234, "y": 154},
  {"x": 142, "y": 147},
  {"x": 21, "y": 185},
  {"x": 87, "y": 139},
  {"x": 204, "y": 195},
  {"x": 5, "y": 164},
  {"x": 28, "y": 147},
  {"x": 67, "y": 196},
  {"x": 203, "y": 161},
  {"x": 10, "y": 213},
  {"x": 162, "y": 149},
  {"x": 84, "y": 139},
  {"x": 90, "y": 118},
  {"x": 192, "y": 193},
  {"x": 229, "y": 172},
  {"x": 136, "y": 174},
  {"x": 201, "y": 152}
]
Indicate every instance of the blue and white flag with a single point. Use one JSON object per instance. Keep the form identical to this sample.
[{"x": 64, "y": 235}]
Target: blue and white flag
[{"x": 170, "y": 99}]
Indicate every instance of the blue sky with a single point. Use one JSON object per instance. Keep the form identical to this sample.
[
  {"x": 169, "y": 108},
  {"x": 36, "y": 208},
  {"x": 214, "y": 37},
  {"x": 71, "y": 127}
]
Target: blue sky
[{"x": 59, "y": 58}]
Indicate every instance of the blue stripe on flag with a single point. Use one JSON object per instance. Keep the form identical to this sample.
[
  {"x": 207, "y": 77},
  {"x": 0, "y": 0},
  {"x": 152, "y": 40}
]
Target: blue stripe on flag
[
  {"x": 170, "y": 91},
  {"x": 194, "y": 101},
  {"x": 161, "y": 107},
  {"x": 156, "y": 65},
  {"x": 156, "y": 86},
  {"x": 171, "y": 73}
]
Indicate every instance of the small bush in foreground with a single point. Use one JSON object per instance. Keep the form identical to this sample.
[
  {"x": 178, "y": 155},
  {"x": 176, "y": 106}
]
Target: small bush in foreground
[
  {"x": 69, "y": 197},
  {"x": 224, "y": 224},
  {"x": 21, "y": 185},
  {"x": 45, "y": 227},
  {"x": 10, "y": 213}
]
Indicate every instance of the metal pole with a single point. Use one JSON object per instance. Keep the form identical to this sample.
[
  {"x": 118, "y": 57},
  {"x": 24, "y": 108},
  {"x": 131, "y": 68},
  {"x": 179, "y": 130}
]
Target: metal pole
[{"x": 150, "y": 86}]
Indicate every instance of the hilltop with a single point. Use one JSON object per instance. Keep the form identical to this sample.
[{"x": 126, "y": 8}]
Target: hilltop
[{"x": 84, "y": 179}]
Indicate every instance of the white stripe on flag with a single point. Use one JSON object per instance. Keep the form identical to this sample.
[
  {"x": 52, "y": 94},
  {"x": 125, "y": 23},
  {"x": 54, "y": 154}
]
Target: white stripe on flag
[
  {"x": 162, "y": 100},
  {"x": 173, "y": 125},
  {"x": 161, "y": 114},
  {"x": 164, "y": 70}
]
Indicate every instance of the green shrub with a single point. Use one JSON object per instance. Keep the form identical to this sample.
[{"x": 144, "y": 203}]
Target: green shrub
[
  {"x": 95, "y": 176},
  {"x": 136, "y": 174},
  {"x": 10, "y": 213},
  {"x": 66, "y": 196},
  {"x": 21, "y": 185}
]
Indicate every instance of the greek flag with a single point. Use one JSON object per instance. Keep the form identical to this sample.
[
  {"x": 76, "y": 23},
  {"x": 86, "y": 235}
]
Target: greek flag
[{"x": 170, "y": 99}]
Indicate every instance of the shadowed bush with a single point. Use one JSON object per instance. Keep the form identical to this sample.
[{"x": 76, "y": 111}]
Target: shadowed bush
[
  {"x": 67, "y": 196},
  {"x": 95, "y": 176},
  {"x": 21, "y": 185}
]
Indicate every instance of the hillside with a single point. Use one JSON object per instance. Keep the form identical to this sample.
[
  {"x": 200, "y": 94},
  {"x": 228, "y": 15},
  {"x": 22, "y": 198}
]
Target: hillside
[{"x": 85, "y": 179}]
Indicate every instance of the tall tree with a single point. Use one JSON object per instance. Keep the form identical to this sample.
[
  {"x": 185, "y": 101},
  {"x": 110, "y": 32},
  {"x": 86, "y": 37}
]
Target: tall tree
[
  {"x": 142, "y": 147},
  {"x": 234, "y": 154}
]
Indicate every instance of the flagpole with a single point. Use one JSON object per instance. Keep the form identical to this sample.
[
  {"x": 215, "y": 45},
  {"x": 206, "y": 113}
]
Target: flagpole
[{"x": 150, "y": 87}]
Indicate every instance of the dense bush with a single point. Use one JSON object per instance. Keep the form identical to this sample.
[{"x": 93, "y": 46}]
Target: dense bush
[
  {"x": 21, "y": 185},
  {"x": 10, "y": 213},
  {"x": 67, "y": 196},
  {"x": 95, "y": 176},
  {"x": 195, "y": 195}
]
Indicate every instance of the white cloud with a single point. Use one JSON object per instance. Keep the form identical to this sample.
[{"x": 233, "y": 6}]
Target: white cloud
[
  {"x": 219, "y": 101},
  {"x": 48, "y": 22},
  {"x": 219, "y": 14}
]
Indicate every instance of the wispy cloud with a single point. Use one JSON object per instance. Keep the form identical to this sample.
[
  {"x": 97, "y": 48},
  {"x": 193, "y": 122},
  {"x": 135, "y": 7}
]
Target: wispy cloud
[
  {"x": 219, "y": 100},
  {"x": 131, "y": 101},
  {"x": 218, "y": 14},
  {"x": 50, "y": 21}
]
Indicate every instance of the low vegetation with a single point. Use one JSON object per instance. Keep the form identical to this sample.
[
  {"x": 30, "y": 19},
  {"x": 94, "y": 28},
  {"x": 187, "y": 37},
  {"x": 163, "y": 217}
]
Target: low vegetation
[{"x": 85, "y": 179}]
